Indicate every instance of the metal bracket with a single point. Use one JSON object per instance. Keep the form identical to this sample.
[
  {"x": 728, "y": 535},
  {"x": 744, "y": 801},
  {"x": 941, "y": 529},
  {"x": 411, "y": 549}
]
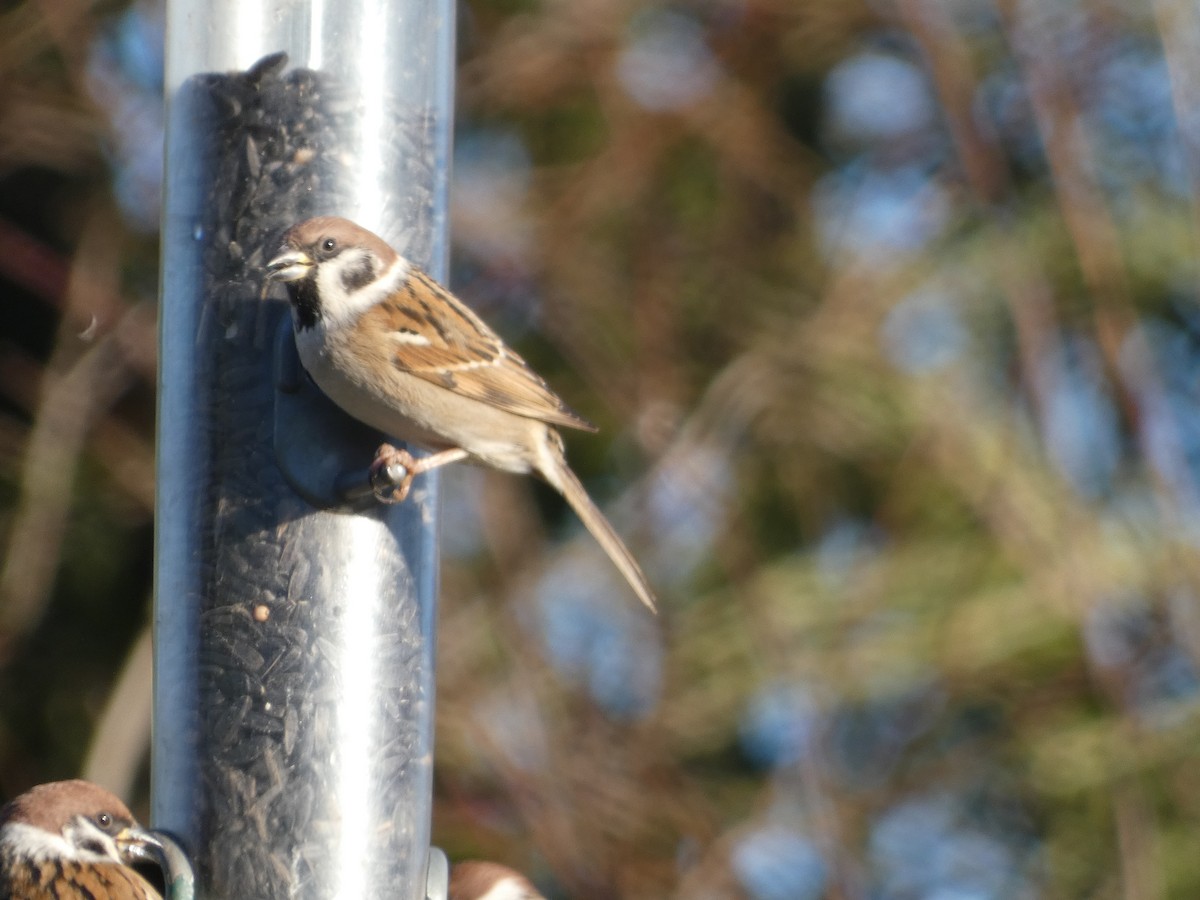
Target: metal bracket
[
  {"x": 437, "y": 875},
  {"x": 319, "y": 449}
]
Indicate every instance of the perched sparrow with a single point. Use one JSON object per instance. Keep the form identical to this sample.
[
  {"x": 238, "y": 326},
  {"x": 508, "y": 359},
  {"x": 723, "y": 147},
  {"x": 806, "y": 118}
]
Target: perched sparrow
[
  {"x": 489, "y": 881},
  {"x": 397, "y": 351},
  {"x": 72, "y": 840}
]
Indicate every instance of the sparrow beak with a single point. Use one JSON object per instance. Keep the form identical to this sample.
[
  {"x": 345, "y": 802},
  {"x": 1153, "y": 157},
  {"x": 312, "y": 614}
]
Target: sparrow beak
[
  {"x": 290, "y": 266},
  {"x": 138, "y": 845}
]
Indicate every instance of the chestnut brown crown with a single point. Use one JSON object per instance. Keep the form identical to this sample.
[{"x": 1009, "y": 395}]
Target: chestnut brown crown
[{"x": 52, "y": 807}]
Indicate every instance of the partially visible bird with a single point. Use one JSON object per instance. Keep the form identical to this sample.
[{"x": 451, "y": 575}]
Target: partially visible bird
[
  {"x": 478, "y": 880},
  {"x": 396, "y": 350},
  {"x": 72, "y": 840}
]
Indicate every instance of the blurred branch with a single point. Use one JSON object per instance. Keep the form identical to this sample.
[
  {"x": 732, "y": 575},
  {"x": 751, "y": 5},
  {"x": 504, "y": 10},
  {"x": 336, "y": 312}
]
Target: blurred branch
[
  {"x": 1025, "y": 285},
  {"x": 71, "y": 26},
  {"x": 76, "y": 392},
  {"x": 69, "y": 405},
  {"x": 1179, "y": 30},
  {"x": 124, "y": 452},
  {"x": 122, "y": 736}
]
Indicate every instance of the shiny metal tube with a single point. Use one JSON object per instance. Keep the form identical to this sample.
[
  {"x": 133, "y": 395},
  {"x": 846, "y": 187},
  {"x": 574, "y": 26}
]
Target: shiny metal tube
[{"x": 294, "y": 632}]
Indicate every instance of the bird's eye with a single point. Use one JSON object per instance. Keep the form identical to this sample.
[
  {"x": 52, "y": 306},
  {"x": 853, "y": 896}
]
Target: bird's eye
[
  {"x": 329, "y": 245},
  {"x": 104, "y": 820}
]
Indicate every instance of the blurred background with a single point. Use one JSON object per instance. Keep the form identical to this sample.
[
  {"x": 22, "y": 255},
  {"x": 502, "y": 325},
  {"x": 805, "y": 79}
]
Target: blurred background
[{"x": 889, "y": 314}]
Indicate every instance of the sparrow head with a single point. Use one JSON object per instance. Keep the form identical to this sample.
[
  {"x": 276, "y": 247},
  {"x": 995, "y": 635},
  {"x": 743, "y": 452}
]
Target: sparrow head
[
  {"x": 327, "y": 264},
  {"x": 479, "y": 880},
  {"x": 74, "y": 820}
]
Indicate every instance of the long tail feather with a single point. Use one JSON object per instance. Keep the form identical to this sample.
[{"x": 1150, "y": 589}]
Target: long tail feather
[{"x": 556, "y": 471}]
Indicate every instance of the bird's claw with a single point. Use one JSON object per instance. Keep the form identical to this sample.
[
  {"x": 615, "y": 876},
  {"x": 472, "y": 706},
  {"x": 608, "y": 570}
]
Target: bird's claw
[{"x": 392, "y": 473}]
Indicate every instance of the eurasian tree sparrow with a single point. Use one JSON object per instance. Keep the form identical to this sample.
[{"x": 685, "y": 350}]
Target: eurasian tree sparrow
[
  {"x": 475, "y": 880},
  {"x": 396, "y": 350},
  {"x": 72, "y": 840}
]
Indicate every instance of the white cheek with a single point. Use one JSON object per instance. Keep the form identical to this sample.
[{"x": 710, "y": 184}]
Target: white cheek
[
  {"x": 25, "y": 840},
  {"x": 339, "y": 307},
  {"x": 81, "y": 831}
]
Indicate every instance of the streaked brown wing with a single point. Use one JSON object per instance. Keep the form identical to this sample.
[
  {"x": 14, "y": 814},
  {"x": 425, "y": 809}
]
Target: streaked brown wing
[{"x": 439, "y": 339}]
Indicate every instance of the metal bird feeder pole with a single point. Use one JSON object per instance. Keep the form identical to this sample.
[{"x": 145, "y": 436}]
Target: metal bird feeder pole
[{"x": 294, "y": 618}]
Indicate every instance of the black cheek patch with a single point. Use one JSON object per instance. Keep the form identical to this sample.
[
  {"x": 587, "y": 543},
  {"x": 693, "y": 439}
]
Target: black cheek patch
[
  {"x": 360, "y": 274},
  {"x": 94, "y": 846}
]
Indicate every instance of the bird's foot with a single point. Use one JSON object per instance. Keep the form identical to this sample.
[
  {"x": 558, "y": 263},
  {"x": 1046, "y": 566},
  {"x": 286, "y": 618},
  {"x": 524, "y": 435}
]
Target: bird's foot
[
  {"x": 393, "y": 470},
  {"x": 392, "y": 473}
]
